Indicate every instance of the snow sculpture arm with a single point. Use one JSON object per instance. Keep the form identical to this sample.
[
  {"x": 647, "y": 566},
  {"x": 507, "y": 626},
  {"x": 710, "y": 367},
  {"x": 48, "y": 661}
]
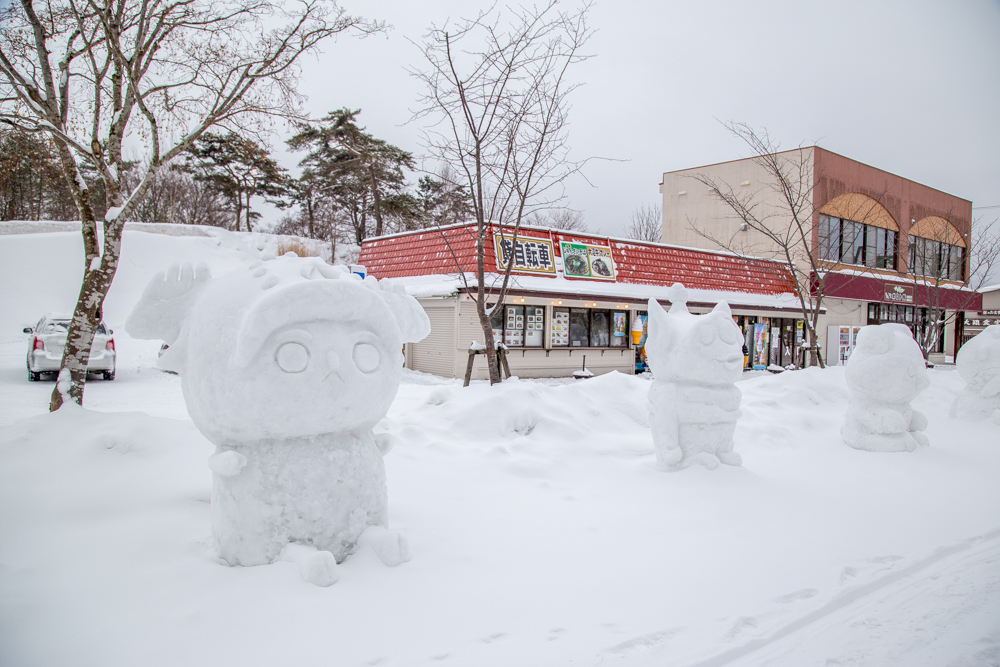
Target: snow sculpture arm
[
  {"x": 991, "y": 388},
  {"x": 166, "y": 302},
  {"x": 918, "y": 421}
]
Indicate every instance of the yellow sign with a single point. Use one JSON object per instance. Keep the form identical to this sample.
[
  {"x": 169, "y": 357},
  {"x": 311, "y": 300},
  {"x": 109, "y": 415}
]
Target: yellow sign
[{"x": 531, "y": 255}]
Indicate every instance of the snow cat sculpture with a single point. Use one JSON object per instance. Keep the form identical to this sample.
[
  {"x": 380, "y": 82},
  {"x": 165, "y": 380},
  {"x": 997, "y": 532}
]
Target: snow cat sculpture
[{"x": 693, "y": 403}]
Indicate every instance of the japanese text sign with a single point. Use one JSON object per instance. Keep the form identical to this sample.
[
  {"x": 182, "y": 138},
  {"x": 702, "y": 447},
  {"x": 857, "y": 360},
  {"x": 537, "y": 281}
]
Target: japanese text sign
[
  {"x": 531, "y": 255},
  {"x": 583, "y": 260}
]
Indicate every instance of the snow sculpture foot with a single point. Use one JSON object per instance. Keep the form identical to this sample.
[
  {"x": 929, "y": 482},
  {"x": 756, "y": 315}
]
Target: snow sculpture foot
[
  {"x": 286, "y": 366},
  {"x": 320, "y": 569},
  {"x": 884, "y": 373},
  {"x": 391, "y": 546},
  {"x": 694, "y": 402}
]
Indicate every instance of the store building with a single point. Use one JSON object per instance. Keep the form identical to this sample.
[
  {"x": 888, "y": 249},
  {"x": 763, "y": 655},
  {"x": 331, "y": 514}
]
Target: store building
[
  {"x": 574, "y": 295},
  {"x": 987, "y": 315},
  {"x": 890, "y": 247}
]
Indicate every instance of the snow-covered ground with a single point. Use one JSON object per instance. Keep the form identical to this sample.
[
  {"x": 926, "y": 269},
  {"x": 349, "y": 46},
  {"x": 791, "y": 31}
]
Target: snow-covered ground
[{"x": 541, "y": 532}]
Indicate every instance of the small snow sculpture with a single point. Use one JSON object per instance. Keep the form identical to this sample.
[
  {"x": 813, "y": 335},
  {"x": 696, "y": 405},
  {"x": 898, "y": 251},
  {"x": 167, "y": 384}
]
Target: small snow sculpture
[
  {"x": 884, "y": 373},
  {"x": 694, "y": 402},
  {"x": 286, "y": 366},
  {"x": 978, "y": 363}
]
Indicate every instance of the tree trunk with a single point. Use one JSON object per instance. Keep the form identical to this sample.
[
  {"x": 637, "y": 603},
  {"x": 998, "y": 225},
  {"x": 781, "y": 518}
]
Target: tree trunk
[{"x": 378, "y": 201}]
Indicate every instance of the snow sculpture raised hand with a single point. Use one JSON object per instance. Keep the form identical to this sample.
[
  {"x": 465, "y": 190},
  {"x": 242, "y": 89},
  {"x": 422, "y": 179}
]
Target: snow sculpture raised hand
[
  {"x": 286, "y": 367},
  {"x": 978, "y": 363},
  {"x": 884, "y": 373},
  {"x": 694, "y": 402}
]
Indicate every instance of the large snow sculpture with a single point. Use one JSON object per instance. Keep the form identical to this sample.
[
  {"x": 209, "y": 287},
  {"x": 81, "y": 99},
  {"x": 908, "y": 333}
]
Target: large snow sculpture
[
  {"x": 884, "y": 373},
  {"x": 978, "y": 363},
  {"x": 286, "y": 366},
  {"x": 693, "y": 403}
]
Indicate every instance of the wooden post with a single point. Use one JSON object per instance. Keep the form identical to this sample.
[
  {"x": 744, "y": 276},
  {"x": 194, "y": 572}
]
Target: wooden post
[{"x": 468, "y": 368}]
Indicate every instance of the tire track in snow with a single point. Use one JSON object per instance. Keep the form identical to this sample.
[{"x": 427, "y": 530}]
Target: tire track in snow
[{"x": 843, "y": 600}]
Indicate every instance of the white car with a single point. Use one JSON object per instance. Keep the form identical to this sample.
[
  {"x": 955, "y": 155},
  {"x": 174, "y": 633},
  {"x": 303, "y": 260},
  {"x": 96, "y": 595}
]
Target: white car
[{"x": 48, "y": 338}]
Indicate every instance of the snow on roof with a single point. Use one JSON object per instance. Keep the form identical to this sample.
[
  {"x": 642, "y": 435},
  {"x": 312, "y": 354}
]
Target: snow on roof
[
  {"x": 452, "y": 250},
  {"x": 443, "y": 285},
  {"x": 989, "y": 288}
]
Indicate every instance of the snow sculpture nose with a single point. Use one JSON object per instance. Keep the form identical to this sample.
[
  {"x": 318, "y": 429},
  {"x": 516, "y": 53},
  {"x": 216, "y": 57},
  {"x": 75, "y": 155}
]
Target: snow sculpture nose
[{"x": 333, "y": 360}]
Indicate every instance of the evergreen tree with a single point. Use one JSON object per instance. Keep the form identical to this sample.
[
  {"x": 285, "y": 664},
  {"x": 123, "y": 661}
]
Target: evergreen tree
[
  {"x": 237, "y": 169},
  {"x": 360, "y": 175}
]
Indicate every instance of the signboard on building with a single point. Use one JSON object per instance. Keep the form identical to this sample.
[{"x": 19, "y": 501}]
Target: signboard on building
[
  {"x": 586, "y": 260},
  {"x": 531, "y": 255},
  {"x": 983, "y": 319},
  {"x": 898, "y": 293}
]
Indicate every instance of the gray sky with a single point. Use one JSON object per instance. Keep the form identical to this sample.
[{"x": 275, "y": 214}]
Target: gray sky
[{"x": 909, "y": 87}]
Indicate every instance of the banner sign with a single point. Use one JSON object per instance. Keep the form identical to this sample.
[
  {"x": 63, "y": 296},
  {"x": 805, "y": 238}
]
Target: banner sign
[
  {"x": 583, "y": 260},
  {"x": 531, "y": 255},
  {"x": 898, "y": 293}
]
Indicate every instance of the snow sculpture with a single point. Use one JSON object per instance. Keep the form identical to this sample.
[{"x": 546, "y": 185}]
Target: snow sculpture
[
  {"x": 286, "y": 367},
  {"x": 978, "y": 363},
  {"x": 693, "y": 403},
  {"x": 884, "y": 373}
]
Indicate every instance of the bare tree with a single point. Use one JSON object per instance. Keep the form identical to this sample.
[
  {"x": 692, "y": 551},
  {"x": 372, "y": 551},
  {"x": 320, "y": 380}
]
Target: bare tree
[
  {"x": 646, "y": 224},
  {"x": 561, "y": 218},
  {"x": 948, "y": 274},
  {"x": 783, "y": 232},
  {"x": 95, "y": 74},
  {"x": 496, "y": 89},
  {"x": 778, "y": 223}
]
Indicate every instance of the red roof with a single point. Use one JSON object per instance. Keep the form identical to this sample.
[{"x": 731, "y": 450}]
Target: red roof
[{"x": 453, "y": 249}]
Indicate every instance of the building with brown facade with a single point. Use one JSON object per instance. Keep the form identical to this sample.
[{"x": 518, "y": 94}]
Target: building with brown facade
[{"x": 891, "y": 249}]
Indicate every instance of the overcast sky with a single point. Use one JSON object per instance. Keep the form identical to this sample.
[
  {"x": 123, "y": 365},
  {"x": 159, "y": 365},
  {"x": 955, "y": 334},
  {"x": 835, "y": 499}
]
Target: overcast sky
[{"x": 909, "y": 87}]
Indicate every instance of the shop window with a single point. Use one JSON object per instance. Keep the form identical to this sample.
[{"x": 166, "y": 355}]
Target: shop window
[
  {"x": 849, "y": 242},
  {"x": 519, "y": 326},
  {"x": 586, "y": 327},
  {"x": 600, "y": 329},
  {"x": 579, "y": 327},
  {"x": 936, "y": 260},
  {"x": 619, "y": 328},
  {"x": 560, "y": 327}
]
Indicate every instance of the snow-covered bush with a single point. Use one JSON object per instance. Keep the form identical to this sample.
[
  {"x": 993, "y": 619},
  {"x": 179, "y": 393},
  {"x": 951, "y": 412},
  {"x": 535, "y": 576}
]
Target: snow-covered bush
[
  {"x": 884, "y": 373},
  {"x": 693, "y": 403}
]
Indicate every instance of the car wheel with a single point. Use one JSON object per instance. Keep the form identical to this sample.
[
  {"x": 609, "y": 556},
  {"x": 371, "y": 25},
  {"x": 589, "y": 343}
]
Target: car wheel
[
  {"x": 33, "y": 377},
  {"x": 109, "y": 375}
]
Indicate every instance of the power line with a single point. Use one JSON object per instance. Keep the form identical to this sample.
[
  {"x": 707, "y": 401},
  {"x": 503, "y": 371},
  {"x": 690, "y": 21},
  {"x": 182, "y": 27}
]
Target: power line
[{"x": 980, "y": 208}]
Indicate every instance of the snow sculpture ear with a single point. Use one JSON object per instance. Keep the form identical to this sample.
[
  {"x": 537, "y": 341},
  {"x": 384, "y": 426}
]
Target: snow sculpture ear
[
  {"x": 166, "y": 303},
  {"x": 410, "y": 316},
  {"x": 723, "y": 307},
  {"x": 678, "y": 296}
]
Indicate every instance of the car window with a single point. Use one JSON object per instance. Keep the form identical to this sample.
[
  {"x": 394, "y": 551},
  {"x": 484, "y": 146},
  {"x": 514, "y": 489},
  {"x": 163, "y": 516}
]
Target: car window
[
  {"x": 55, "y": 326},
  {"x": 101, "y": 330}
]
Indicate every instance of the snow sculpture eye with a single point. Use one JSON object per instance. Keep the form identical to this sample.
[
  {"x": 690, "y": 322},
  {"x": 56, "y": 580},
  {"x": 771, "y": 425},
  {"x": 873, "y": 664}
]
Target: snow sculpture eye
[
  {"x": 707, "y": 335},
  {"x": 292, "y": 357},
  {"x": 366, "y": 357},
  {"x": 911, "y": 371},
  {"x": 728, "y": 334}
]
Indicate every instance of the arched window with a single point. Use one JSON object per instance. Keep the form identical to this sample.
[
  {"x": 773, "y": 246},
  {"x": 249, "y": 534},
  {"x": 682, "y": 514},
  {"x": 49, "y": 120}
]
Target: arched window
[
  {"x": 856, "y": 229},
  {"x": 937, "y": 250}
]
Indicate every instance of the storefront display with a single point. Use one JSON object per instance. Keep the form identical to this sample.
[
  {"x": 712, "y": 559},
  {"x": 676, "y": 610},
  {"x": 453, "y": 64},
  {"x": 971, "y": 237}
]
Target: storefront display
[{"x": 560, "y": 327}]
